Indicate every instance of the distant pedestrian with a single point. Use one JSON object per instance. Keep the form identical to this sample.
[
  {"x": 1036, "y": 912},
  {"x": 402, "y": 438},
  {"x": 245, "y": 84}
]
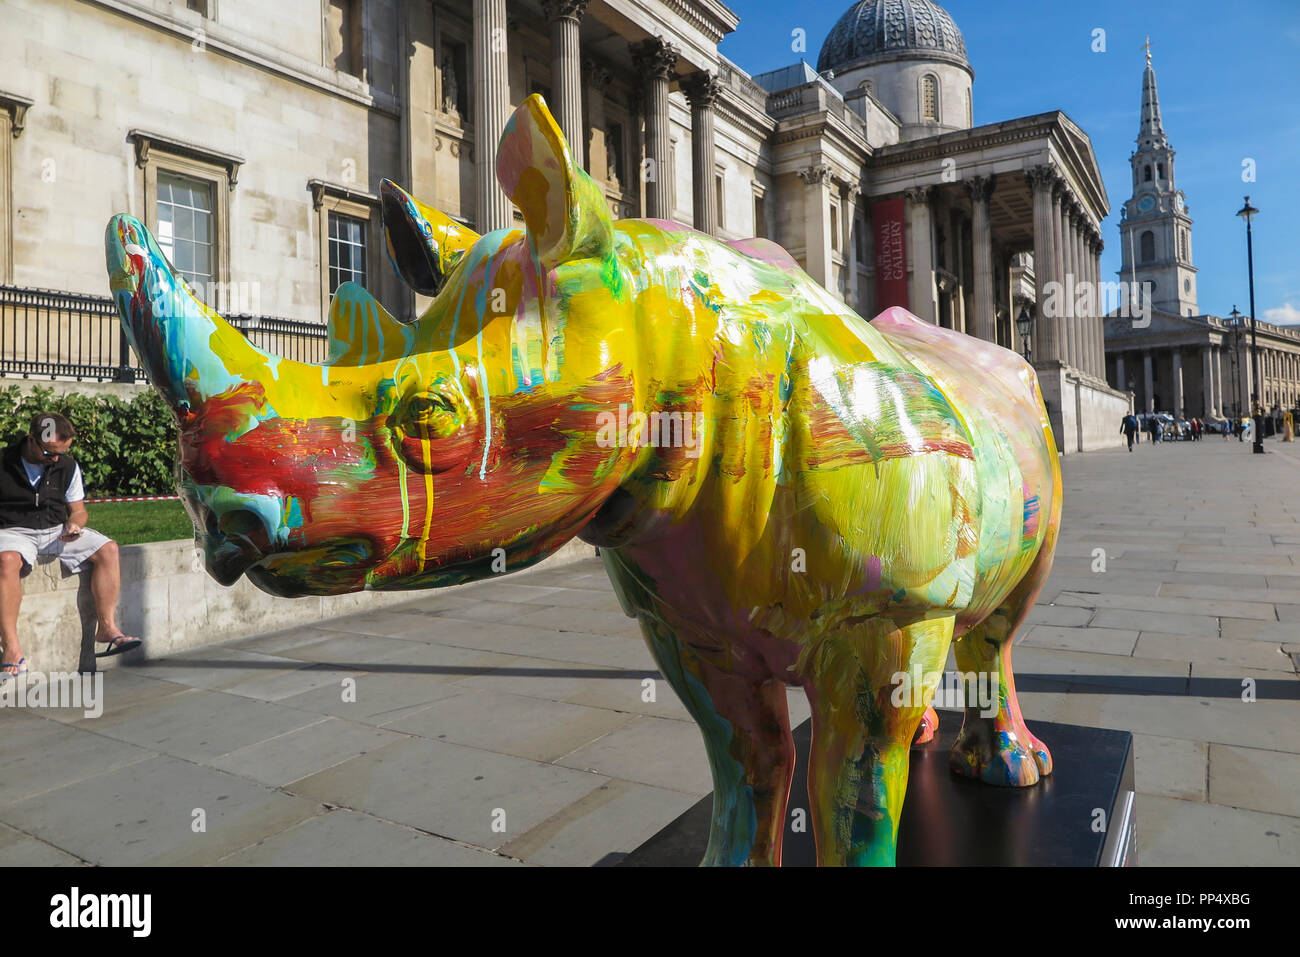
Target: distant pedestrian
[
  {"x": 1129, "y": 426},
  {"x": 1227, "y": 429},
  {"x": 1154, "y": 424},
  {"x": 1196, "y": 430}
]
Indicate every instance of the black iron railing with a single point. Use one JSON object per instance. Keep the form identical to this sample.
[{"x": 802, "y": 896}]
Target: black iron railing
[
  {"x": 287, "y": 338},
  {"x": 45, "y": 333}
]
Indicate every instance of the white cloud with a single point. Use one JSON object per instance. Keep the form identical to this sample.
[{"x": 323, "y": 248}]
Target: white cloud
[{"x": 1283, "y": 315}]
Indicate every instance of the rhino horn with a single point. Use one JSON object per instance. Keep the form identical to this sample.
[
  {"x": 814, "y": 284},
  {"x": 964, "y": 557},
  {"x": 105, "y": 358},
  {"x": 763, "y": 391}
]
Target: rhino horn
[
  {"x": 563, "y": 208},
  {"x": 423, "y": 243},
  {"x": 189, "y": 352}
]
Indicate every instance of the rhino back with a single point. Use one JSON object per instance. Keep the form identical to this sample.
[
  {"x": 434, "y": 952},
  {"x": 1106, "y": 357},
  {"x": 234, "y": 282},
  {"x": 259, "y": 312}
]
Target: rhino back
[
  {"x": 996, "y": 393},
  {"x": 822, "y": 438}
]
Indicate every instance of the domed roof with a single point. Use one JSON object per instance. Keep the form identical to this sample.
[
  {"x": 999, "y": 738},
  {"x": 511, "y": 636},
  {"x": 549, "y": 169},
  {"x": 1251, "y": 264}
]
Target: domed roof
[{"x": 873, "y": 30}]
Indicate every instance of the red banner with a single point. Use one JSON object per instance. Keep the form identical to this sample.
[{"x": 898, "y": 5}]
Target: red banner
[{"x": 891, "y": 254}]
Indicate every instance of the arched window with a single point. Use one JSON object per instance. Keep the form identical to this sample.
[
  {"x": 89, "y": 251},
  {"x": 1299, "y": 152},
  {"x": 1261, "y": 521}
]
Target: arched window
[
  {"x": 1160, "y": 171},
  {"x": 1148, "y": 246},
  {"x": 1146, "y": 176},
  {"x": 929, "y": 99}
]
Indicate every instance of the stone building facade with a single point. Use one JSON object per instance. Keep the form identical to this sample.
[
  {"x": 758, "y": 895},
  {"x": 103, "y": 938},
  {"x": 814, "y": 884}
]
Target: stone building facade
[
  {"x": 251, "y": 137},
  {"x": 1174, "y": 358}
]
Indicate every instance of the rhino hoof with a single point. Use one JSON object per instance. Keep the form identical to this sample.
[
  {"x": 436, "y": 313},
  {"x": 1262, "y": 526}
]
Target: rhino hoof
[{"x": 1000, "y": 758}]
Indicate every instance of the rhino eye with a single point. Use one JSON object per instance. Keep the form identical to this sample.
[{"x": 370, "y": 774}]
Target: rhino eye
[
  {"x": 424, "y": 407},
  {"x": 435, "y": 414}
]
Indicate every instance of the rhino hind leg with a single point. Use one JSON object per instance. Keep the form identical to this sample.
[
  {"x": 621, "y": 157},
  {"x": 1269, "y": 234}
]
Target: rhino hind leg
[
  {"x": 998, "y": 749},
  {"x": 746, "y": 728},
  {"x": 928, "y": 726},
  {"x": 862, "y": 733}
]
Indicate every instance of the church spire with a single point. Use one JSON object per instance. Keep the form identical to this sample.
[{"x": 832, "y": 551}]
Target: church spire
[{"x": 1152, "y": 133}]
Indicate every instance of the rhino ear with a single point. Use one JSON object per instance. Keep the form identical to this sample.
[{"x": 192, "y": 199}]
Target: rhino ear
[
  {"x": 563, "y": 208},
  {"x": 423, "y": 243}
]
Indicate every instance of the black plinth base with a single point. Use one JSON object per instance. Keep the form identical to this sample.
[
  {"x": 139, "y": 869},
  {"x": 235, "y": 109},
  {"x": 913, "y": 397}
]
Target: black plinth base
[{"x": 1081, "y": 815}]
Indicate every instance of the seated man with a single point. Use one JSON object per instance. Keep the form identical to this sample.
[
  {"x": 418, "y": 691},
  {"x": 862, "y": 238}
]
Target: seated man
[{"x": 42, "y": 512}]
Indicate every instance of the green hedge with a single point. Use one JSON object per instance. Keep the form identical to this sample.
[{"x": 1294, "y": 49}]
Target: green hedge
[{"x": 123, "y": 448}]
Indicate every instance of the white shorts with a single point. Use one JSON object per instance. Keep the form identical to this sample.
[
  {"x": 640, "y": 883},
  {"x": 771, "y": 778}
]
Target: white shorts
[{"x": 31, "y": 542}]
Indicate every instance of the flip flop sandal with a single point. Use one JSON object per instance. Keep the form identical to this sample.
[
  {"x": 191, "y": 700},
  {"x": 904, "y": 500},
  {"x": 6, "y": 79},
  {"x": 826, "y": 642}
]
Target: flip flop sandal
[
  {"x": 119, "y": 644},
  {"x": 21, "y": 666}
]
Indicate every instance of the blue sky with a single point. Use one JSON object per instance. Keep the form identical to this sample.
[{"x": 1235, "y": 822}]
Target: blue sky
[{"x": 1229, "y": 80}]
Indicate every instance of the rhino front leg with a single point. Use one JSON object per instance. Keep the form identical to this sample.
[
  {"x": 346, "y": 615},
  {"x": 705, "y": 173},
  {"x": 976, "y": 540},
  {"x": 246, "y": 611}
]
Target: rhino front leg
[
  {"x": 997, "y": 748},
  {"x": 862, "y": 733},
  {"x": 746, "y": 728}
]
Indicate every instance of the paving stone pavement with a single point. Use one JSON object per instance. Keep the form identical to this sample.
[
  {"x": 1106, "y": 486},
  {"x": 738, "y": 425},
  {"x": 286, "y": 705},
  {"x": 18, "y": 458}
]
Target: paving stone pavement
[{"x": 510, "y": 724}]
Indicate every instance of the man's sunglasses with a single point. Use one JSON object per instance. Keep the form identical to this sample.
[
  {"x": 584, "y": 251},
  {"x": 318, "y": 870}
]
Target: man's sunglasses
[{"x": 43, "y": 450}]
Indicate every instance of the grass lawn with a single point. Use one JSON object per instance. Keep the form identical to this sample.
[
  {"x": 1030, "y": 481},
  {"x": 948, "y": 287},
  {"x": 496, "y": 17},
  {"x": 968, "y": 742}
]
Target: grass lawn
[{"x": 130, "y": 523}]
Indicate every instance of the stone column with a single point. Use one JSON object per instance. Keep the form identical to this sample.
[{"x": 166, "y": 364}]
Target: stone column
[
  {"x": 1178, "y": 383},
  {"x": 491, "y": 101},
  {"x": 702, "y": 90},
  {"x": 921, "y": 291},
  {"x": 1042, "y": 180},
  {"x": 817, "y": 222},
  {"x": 1060, "y": 233},
  {"x": 1073, "y": 272},
  {"x": 1148, "y": 382},
  {"x": 849, "y": 215},
  {"x": 1218, "y": 380},
  {"x": 1207, "y": 381},
  {"x": 1096, "y": 337},
  {"x": 1099, "y": 321},
  {"x": 655, "y": 60},
  {"x": 1093, "y": 338},
  {"x": 980, "y": 190},
  {"x": 1120, "y": 382},
  {"x": 566, "y": 72}
]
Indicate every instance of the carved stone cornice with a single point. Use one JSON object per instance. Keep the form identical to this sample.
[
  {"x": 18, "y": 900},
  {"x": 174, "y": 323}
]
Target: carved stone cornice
[
  {"x": 918, "y": 194},
  {"x": 320, "y": 189},
  {"x": 712, "y": 19},
  {"x": 980, "y": 188},
  {"x": 16, "y": 106},
  {"x": 564, "y": 9},
  {"x": 702, "y": 89},
  {"x": 655, "y": 57},
  {"x": 1042, "y": 177},
  {"x": 145, "y": 142},
  {"x": 816, "y": 175}
]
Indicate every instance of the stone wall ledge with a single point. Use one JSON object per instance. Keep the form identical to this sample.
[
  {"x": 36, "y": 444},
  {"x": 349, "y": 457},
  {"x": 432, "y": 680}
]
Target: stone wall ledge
[{"x": 177, "y": 607}]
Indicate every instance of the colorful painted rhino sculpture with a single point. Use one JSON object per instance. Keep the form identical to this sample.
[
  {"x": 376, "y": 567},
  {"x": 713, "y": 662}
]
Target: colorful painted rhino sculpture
[{"x": 834, "y": 502}]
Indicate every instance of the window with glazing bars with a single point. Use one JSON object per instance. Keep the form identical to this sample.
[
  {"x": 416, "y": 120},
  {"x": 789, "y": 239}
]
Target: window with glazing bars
[
  {"x": 185, "y": 227},
  {"x": 347, "y": 251}
]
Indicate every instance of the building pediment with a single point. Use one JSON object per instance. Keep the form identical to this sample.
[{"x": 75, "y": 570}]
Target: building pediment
[{"x": 1157, "y": 324}]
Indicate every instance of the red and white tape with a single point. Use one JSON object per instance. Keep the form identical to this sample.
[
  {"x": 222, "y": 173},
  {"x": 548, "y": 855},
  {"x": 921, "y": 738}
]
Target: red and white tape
[{"x": 135, "y": 498}]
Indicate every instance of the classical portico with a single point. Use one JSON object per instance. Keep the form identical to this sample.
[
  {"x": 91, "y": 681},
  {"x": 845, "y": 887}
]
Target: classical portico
[{"x": 1201, "y": 366}]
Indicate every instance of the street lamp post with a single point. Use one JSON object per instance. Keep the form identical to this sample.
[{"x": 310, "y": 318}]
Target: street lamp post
[
  {"x": 1024, "y": 326},
  {"x": 1248, "y": 213},
  {"x": 1234, "y": 320}
]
